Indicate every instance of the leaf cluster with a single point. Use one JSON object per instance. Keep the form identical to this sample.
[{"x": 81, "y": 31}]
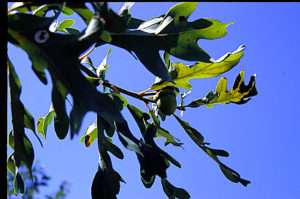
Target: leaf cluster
[{"x": 47, "y": 40}]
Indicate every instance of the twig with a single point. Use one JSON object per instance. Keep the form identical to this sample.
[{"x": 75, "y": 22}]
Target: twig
[
  {"x": 144, "y": 92},
  {"x": 87, "y": 53},
  {"x": 114, "y": 87}
]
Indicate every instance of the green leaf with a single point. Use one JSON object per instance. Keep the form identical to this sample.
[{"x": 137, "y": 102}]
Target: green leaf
[
  {"x": 173, "y": 34},
  {"x": 67, "y": 23},
  {"x": 44, "y": 122},
  {"x": 11, "y": 164},
  {"x": 173, "y": 192},
  {"x": 80, "y": 8},
  {"x": 101, "y": 70},
  {"x": 167, "y": 61},
  {"x": 24, "y": 6},
  {"x": 90, "y": 135},
  {"x": 105, "y": 36},
  {"x": 42, "y": 10},
  {"x": 193, "y": 133},
  {"x": 169, "y": 138},
  {"x": 239, "y": 94},
  {"x": 183, "y": 73},
  {"x": 10, "y": 139}
]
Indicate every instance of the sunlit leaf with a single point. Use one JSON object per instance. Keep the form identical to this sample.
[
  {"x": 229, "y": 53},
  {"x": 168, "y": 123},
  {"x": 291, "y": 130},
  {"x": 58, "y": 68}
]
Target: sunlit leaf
[
  {"x": 101, "y": 69},
  {"x": 173, "y": 34},
  {"x": 44, "y": 122},
  {"x": 11, "y": 164},
  {"x": 183, "y": 73},
  {"x": 67, "y": 23},
  {"x": 169, "y": 138},
  {"x": 24, "y": 6},
  {"x": 10, "y": 139},
  {"x": 239, "y": 94},
  {"x": 82, "y": 10},
  {"x": 90, "y": 134}
]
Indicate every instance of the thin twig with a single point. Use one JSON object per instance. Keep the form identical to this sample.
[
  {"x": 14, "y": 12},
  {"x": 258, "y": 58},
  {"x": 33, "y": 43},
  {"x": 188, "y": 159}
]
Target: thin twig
[
  {"x": 87, "y": 53},
  {"x": 114, "y": 87},
  {"x": 144, "y": 92}
]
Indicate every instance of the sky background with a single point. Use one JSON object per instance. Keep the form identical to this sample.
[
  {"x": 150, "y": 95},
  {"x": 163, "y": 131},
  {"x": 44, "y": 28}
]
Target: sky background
[{"x": 261, "y": 136}]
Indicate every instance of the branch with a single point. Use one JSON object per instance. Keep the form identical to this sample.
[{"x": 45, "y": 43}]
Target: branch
[{"x": 114, "y": 87}]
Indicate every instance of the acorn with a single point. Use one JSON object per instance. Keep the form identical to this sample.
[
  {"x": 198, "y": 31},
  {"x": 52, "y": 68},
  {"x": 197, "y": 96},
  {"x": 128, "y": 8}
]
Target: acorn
[{"x": 166, "y": 100}]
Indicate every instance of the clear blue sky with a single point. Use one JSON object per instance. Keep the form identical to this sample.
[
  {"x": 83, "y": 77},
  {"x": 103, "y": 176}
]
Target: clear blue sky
[{"x": 262, "y": 136}]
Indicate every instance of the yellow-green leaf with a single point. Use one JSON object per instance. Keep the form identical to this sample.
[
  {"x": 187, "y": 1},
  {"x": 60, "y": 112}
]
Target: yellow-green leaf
[
  {"x": 239, "y": 93},
  {"x": 183, "y": 73}
]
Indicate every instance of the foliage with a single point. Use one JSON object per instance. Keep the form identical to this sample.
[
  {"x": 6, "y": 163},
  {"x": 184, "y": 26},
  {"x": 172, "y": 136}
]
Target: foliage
[
  {"x": 39, "y": 179},
  {"x": 46, "y": 40}
]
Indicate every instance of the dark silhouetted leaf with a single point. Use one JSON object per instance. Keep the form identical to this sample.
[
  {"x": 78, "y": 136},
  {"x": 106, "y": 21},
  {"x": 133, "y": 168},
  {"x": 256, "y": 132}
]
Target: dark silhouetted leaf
[
  {"x": 193, "y": 133},
  {"x": 106, "y": 183},
  {"x": 139, "y": 116},
  {"x": 155, "y": 161},
  {"x": 228, "y": 172},
  {"x": 113, "y": 22},
  {"x": 213, "y": 153},
  {"x": 127, "y": 139},
  {"x": 19, "y": 186},
  {"x": 20, "y": 119},
  {"x": 173, "y": 192},
  {"x": 46, "y": 48}
]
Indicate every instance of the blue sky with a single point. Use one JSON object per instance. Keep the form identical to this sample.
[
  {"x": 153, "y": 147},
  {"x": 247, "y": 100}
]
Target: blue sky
[{"x": 261, "y": 136}]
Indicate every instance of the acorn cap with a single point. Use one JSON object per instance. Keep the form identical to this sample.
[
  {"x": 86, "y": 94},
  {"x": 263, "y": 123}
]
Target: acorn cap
[{"x": 169, "y": 90}]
